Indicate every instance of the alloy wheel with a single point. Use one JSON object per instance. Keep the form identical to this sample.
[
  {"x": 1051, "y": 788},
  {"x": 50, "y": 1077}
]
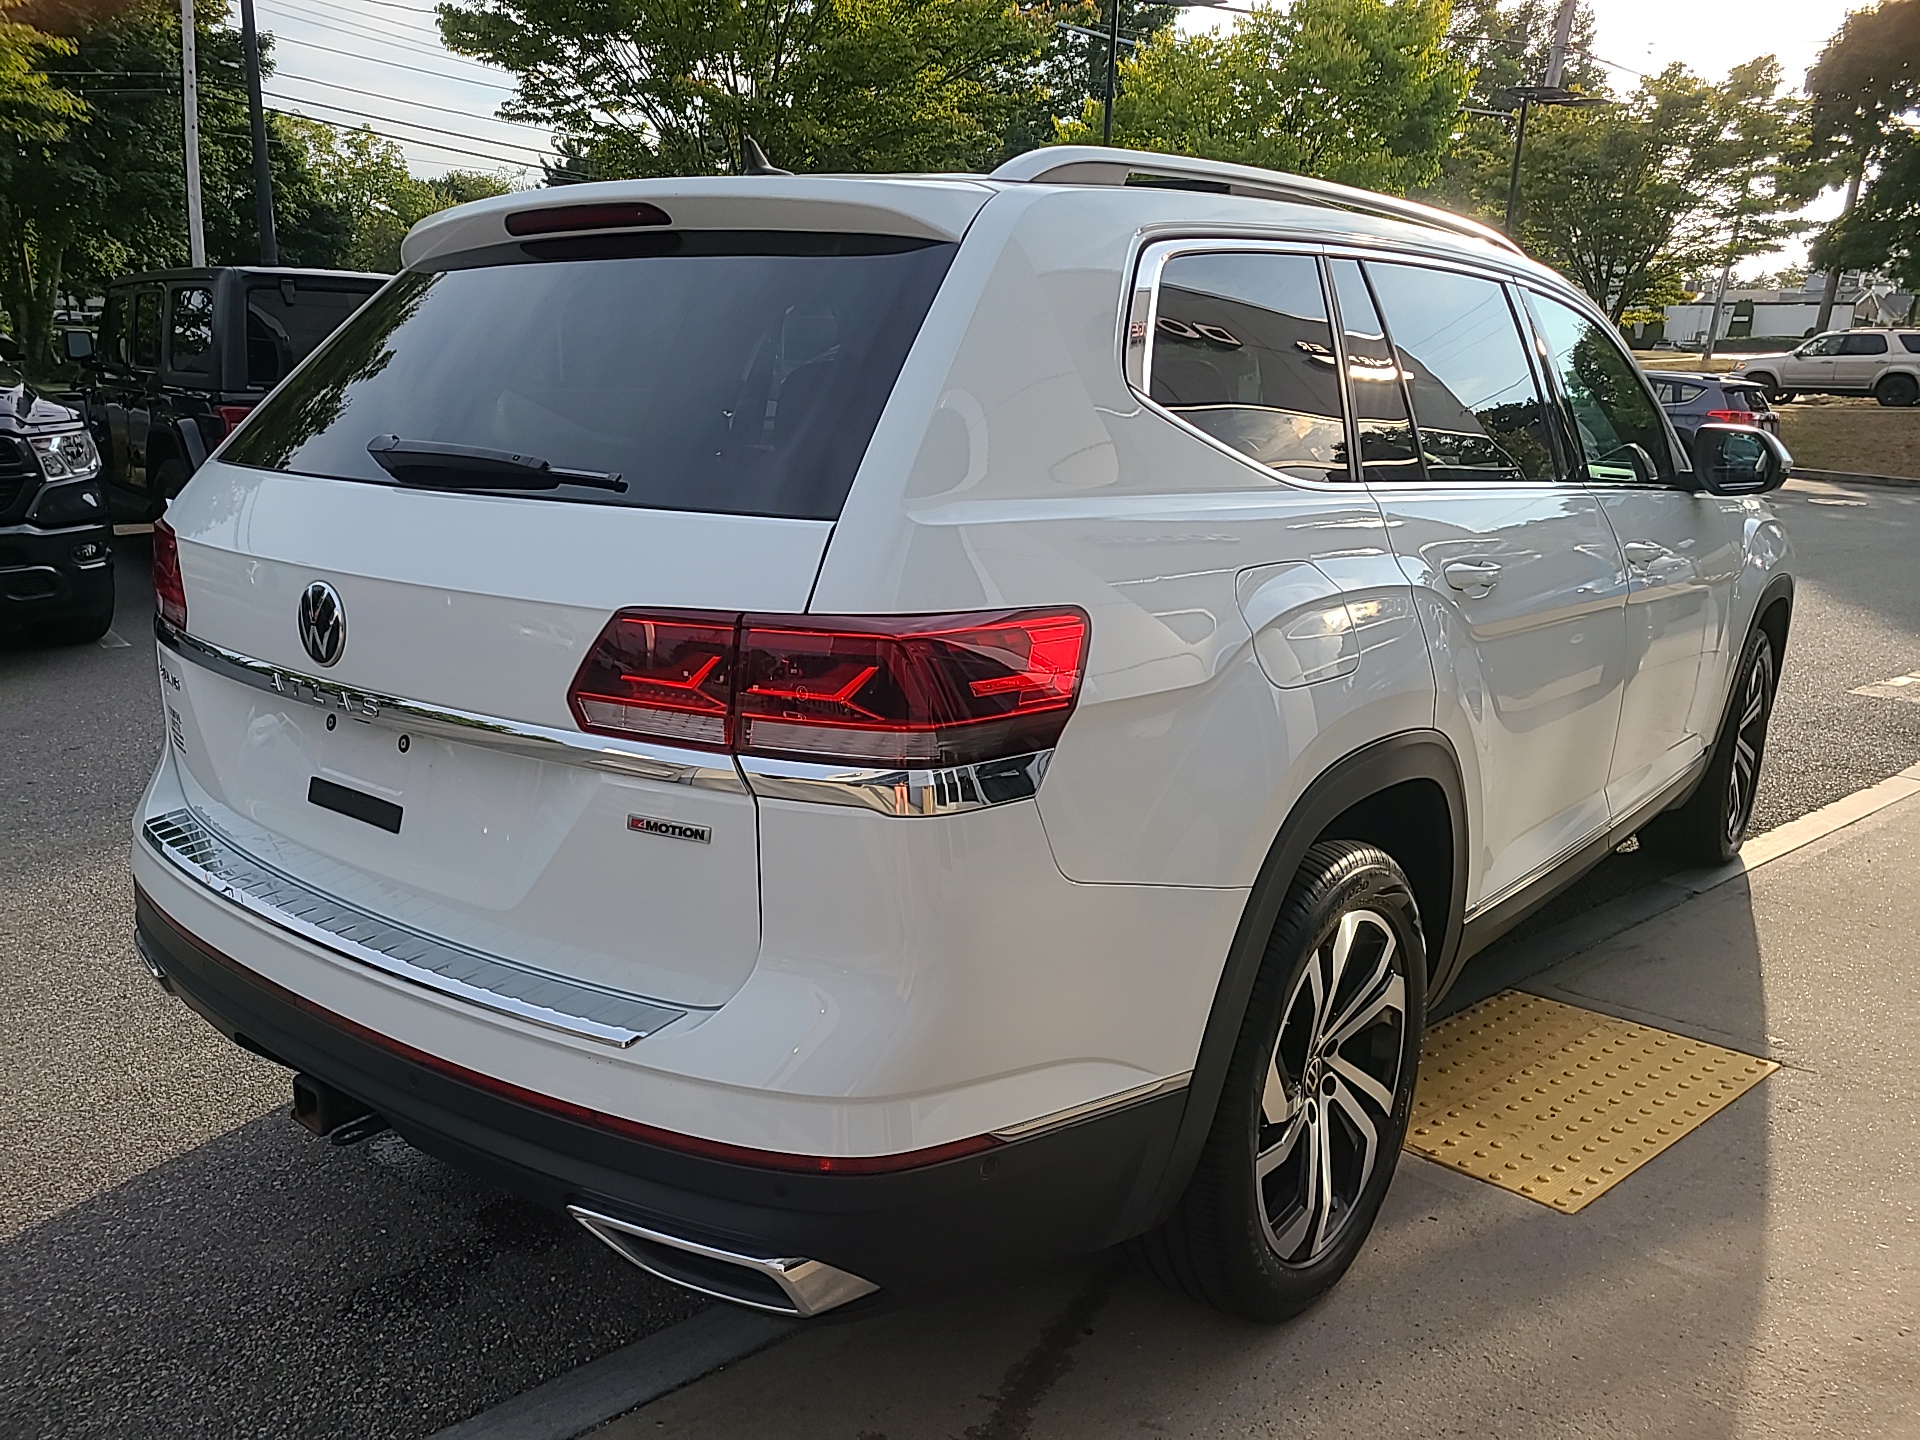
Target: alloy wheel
[
  {"x": 1749, "y": 740},
  {"x": 1331, "y": 1087}
]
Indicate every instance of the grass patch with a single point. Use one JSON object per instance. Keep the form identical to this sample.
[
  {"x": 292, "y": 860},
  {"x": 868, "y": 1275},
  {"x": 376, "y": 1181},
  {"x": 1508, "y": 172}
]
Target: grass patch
[{"x": 1836, "y": 432}]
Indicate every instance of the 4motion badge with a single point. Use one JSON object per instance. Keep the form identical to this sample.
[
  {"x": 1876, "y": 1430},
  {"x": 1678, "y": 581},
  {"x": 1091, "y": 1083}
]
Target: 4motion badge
[
  {"x": 323, "y": 623},
  {"x": 671, "y": 829}
]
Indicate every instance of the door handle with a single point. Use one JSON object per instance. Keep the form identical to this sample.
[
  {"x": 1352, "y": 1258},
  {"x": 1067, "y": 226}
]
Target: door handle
[
  {"x": 1481, "y": 575},
  {"x": 1641, "y": 553}
]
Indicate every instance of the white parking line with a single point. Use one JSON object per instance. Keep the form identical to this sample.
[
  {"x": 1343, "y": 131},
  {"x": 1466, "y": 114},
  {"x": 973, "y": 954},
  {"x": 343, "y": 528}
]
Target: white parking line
[{"x": 1900, "y": 687}]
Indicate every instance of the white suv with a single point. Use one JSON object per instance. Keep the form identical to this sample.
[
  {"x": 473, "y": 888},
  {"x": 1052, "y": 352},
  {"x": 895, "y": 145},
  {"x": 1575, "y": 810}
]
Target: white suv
[
  {"x": 855, "y": 732},
  {"x": 1882, "y": 363}
]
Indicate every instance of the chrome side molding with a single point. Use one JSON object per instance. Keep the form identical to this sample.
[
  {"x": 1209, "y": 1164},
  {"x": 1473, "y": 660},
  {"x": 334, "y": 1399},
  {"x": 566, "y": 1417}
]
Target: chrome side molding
[
  {"x": 780, "y": 1286},
  {"x": 1120, "y": 1100},
  {"x": 491, "y": 982},
  {"x": 899, "y": 792}
]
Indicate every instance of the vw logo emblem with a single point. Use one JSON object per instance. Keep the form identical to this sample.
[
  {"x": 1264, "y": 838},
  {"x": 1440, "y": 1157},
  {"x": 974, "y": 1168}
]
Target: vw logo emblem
[{"x": 323, "y": 623}]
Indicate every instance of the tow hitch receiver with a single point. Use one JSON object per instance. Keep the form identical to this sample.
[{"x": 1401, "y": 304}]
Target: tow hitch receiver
[{"x": 332, "y": 1114}]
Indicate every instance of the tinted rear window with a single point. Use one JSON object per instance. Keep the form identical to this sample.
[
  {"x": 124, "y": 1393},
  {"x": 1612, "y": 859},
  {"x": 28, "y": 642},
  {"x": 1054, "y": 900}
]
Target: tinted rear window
[
  {"x": 286, "y": 323},
  {"x": 1912, "y": 342},
  {"x": 1746, "y": 397},
  {"x": 736, "y": 374}
]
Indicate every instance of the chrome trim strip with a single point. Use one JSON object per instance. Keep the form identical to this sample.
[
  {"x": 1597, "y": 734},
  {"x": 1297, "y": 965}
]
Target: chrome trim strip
[
  {"x": 899, "y": 792},
  {"x": 1153, "y": 1089},
  {"x": 542, "y": 742},
  {"x": 491, "y": 982},
  {"x": 810, "y": 1286}
]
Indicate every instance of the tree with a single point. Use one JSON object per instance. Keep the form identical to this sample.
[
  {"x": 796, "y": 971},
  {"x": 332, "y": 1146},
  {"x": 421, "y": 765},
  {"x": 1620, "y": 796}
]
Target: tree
[
  {"x": 1362, "y": 91},
  {"x": 1072, "y": 70},
  {"x": 1681, "y": 176},
  {"x": 650, "y": 88},
  {"x": 1864, "y": 95},
  {"x": 30, "y": 103}
]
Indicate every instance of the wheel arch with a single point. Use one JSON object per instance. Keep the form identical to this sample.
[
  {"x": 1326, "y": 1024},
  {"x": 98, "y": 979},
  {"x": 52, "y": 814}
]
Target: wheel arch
[{"x": 1403, "y": 793}]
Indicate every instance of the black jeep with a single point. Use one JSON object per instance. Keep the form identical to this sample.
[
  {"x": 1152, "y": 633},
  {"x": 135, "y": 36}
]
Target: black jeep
[
  {"x": 56, "y": 545},
  {"x": 183, "y": 355}
]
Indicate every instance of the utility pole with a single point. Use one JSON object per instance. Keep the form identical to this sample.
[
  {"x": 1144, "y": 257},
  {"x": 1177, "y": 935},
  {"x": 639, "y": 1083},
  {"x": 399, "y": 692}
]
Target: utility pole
[
  {"x": 262, "y": 170},
  {"x": 1832, "y": 291},
  {"x": 1513, "y": 178},
  {"x": 190, "y": 118},
  {"x": 1113, "y": 60},
  {"x": 1562, "y": 37}
]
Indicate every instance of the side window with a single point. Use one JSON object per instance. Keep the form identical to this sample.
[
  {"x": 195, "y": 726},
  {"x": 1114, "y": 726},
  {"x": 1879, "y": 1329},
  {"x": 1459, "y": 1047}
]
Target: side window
[
  {"x": 1666, "y": 392},
  {"x": 113, "y": 330},
  {"x": 1374, "y": 383},
  {"x": 1242, "y": 349},
  {"x": 146, "y": 330},
  {"x": 1617, "y": 425},
  {"x": 190, "y": 333},
  {"x": 1475, "y": 399},
  {"x": 1821, "y": 345},
  {"x": 1912, "y": 342},
  {"x": 1863, "y": 344}
]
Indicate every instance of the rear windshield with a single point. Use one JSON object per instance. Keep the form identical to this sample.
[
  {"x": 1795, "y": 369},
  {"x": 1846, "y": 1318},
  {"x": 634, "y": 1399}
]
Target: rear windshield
[
  {"x": 287, "y": 321},
  {"x": 1747, "y": 397},
  {"x": 731, "y": 373}
]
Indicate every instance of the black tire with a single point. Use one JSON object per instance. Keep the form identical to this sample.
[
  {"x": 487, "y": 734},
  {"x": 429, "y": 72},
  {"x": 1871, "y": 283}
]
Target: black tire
[
  {"x": 81, "y": 629},
  {"x": 1767, "y": 383},
  {"x": 1708, "y": 829},
  {"x": 1897, "y": 391},
  {"x": 1298, "y": 1102},
  {"x": 1782, "y": 397},
  {"x": 168, "y": 481}
]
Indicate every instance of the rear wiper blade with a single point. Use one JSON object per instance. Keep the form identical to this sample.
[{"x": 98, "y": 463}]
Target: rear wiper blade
[{"x": 471, "y": 467}]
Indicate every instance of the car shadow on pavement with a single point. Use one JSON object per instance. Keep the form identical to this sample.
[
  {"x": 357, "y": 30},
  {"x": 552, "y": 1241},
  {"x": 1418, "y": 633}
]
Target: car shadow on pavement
[{"x": 268, "y": 1283}]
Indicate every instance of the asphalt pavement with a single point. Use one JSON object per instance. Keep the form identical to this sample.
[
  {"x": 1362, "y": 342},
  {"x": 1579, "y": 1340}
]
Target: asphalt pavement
[{"x": 177, "y": 1258}]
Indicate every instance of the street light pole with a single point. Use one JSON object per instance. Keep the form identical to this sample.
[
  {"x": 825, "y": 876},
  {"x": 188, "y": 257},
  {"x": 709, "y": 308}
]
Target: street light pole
[
  {"x": 256, "y": 110},
  {"x": 1113, "y": 59},
  {"x": 190, "y": 124}
]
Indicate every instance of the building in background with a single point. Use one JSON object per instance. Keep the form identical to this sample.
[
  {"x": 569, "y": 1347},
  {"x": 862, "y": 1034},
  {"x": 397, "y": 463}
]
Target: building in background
[{"x": 1746, "y": 314}]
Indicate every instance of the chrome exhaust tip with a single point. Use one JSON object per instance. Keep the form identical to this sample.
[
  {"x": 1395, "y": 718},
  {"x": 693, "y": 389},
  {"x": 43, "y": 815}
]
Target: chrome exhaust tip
[
  {"x": 149, "y": 963},
  {"x": 780, "y": 1286}
]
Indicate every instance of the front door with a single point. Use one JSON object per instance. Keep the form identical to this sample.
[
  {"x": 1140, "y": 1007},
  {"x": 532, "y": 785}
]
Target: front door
[
  {"x": 1518, "y": 576},
  {"x": 1811, "y": 366},
  {"x": 1682, "y": 549}
]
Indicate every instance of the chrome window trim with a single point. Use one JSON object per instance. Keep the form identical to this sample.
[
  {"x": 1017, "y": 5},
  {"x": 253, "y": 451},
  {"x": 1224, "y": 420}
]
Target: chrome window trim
[
  {"x": 952, "y": 790},
  {"x": 541, "y": 742},
  {"x": 489, "y": 982}
]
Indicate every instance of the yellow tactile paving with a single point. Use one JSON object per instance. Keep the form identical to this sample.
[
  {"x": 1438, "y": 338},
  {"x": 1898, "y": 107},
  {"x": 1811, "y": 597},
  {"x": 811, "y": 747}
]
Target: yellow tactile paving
[{"x": 1559, "y": 1104}]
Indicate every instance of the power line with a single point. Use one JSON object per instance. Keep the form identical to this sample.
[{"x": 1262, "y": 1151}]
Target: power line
[
  {"x": 502, "y": 160},
  {"x": 397, "y": 100},
  {"x": 394, "y": 64},
  {"x": 412, "y": 124},
  {"x": 300, "y": 15}
]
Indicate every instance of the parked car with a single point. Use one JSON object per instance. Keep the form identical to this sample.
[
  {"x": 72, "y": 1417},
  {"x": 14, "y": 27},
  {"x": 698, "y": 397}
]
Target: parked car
[
  {"x": 1882, "y": 363},
  {"x": 858, "y": 731},
  {"x": 182, "y": 356},
  {"x": 56, "y": 544},
  {"x": 1692, "y": 400}
]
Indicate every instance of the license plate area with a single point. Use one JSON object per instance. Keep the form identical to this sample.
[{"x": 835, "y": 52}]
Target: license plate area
[{"x": 345, "y": 800}]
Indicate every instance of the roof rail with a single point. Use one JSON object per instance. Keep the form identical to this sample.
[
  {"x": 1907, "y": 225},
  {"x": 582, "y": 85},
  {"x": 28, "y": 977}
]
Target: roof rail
[{"x": 1102, "y": 165}]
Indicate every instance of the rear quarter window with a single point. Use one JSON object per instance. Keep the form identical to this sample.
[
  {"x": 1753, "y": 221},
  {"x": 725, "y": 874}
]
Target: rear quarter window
[
  {"x": 1912, "y": 342},
  {"x": 287, "y": 321},
  {"x": 724, "y": 372}
]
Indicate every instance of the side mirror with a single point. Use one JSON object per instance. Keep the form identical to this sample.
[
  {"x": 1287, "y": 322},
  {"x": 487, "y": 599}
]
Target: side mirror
[
  {"x": 1739, "y": 460},
  {"x": 78, "y": 345},
  {"x": 9, "y": 348}
]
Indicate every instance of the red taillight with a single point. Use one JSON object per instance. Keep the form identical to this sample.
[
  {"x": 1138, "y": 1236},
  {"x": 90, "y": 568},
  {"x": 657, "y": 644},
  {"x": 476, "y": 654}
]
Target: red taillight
[
  {"x": 662, "y": 677},
  {"x": 1730, "y": 417},
  {"x": 169, "y": 592},
  {"x": 231, "y": 416},
  {"x": 557, "y": 219},
  {"x": 920, "y": 691}
]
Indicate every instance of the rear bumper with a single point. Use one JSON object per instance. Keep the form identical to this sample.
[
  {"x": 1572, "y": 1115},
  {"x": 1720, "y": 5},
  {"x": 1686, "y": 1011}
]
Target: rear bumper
[
  {"x": 932, "y": 1227},
  {"x": 50, "y": 574}
]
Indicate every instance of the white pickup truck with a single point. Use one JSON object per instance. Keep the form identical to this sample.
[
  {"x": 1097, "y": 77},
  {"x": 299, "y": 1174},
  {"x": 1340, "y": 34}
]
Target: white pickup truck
[{"x": 1882, "y": 363}]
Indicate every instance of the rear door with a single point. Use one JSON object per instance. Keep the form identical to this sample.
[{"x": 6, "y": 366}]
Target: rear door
[
  {"x": 1861, "y": 358},
  {"x": 1517, "y": 562},
  {"x": 374, "y": 684}
]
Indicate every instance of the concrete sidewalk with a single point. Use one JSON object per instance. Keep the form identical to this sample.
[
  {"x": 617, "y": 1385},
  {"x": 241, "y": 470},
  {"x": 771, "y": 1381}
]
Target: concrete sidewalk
[{"x": 1761, "y": 1278}]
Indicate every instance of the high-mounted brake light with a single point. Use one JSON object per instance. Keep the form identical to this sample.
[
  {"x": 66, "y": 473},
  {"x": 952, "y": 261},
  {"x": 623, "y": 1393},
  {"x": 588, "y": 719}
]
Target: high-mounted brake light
[
  {"x": 1730, "y": 417},
  {"x": 561, "y": 219},
  {"x": 908, "y": 691},
  {"x": 169, "y": 591}
]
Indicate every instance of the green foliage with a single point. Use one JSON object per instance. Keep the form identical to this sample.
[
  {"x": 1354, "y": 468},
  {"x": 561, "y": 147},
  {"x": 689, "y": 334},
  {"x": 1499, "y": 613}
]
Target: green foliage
[
  {"x": 1362, "y": 91},
  {"x": 647, "y": 88},
  {"x": 1864, "y": 95},
  {"x": 1073, "y": 68},
  {"x": 30, "y": 103}
]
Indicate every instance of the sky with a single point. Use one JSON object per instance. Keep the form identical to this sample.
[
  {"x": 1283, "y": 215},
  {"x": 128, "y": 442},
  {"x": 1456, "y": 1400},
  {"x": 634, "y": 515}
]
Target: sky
[{"x": 380, "y": 63}]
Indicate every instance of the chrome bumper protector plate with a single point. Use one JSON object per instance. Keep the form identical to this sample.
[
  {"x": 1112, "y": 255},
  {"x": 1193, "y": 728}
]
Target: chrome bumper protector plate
[
  {"x": 899, "y": 792},
  {"x": 809, "y": 1287},
  {"x": 505, "y": 986}
]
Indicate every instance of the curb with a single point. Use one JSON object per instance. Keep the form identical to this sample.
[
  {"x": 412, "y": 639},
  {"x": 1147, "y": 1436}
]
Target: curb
[{"x": 1847, "y": 477}]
